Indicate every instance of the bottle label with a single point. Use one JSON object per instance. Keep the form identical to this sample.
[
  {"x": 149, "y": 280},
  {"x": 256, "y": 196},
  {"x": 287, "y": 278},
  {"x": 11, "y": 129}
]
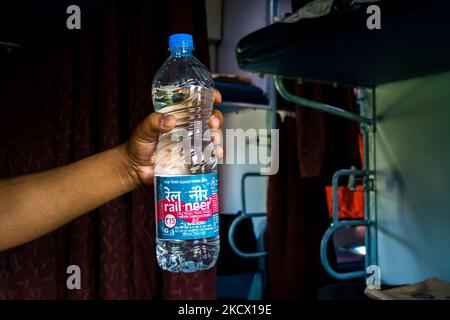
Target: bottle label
[{"x": 187, "y": 206}]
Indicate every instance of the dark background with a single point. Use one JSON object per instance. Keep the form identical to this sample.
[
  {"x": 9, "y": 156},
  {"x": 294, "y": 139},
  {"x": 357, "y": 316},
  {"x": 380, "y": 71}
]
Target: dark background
[{"x": 66, "y": 95}]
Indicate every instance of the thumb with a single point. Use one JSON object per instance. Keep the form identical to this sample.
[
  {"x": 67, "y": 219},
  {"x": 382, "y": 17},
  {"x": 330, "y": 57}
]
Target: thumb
[
  {"x": 142, "y": 144},
  {"x": 156, "y": 123}
]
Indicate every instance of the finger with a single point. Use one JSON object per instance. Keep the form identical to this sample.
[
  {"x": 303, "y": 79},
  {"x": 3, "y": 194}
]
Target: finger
[
  {"x": 217, "y": 114},
  {"x": 216, "y": 119},
  {"x": 216, "y": 136},
  {"x": 154, "y": 124},
  {"x": 217, "y": 96},
  {"x": 217, "y": 139},
  {"x": 218, "y": 151}
]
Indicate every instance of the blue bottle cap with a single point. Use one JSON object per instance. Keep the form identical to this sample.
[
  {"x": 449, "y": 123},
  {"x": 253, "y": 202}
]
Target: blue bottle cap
[{"x": 181, "y": 40}]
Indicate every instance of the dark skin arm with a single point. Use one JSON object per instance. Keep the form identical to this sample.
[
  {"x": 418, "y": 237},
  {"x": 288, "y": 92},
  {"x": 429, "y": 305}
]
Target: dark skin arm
[{"x": 36, "y": 204}]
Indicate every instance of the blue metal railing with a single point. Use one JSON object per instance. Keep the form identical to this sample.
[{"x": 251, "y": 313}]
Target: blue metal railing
[
  {"x": 279, "y": 85},
  {"x": 368, "y": 221},
  {"x": 242, "y": 216},
  {"x": 337, "y": 224}
]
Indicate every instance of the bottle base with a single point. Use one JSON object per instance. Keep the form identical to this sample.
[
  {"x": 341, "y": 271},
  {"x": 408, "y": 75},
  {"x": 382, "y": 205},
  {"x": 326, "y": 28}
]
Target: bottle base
[{"x": 187, "y": 255}]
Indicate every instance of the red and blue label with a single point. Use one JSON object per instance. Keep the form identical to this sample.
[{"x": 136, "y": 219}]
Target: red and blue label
[{"x": 187, "y": 206}]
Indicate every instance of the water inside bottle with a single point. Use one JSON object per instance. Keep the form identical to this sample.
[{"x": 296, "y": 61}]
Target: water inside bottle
[{"x": 189, "y": 103}]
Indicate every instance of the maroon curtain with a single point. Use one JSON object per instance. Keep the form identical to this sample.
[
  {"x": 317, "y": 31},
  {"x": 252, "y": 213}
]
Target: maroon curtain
[
  {"x": 62, "y": 102},
  {"x": 313, "y": 146}
]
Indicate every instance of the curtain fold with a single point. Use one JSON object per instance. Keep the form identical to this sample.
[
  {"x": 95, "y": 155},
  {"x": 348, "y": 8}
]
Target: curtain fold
[{"x": 61, "y": 102}]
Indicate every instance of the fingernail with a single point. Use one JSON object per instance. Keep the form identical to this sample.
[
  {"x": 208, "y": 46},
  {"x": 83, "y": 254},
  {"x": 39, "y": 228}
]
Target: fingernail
[
  {"x": 215, "y": 121},
  {"x": 166, "y": 120}
]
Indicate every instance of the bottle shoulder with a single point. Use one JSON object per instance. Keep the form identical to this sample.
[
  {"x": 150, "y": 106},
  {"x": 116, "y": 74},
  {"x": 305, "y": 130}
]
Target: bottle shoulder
[{"x": 177, "y": 71}]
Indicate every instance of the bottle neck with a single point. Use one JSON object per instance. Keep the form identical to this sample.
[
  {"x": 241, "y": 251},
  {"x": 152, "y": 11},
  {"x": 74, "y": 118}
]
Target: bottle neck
[{"x": 181, "y": 51}]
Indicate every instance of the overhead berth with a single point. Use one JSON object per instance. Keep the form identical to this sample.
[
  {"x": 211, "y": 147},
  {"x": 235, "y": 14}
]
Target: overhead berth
[{"x": 339, "y": 48}]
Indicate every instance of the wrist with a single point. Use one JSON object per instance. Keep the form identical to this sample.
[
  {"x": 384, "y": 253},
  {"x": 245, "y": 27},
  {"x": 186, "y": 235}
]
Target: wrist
[{"x": 129, "y": 170}]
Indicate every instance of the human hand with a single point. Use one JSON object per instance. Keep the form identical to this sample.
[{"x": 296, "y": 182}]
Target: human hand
[{"x": 142, "y": 145}]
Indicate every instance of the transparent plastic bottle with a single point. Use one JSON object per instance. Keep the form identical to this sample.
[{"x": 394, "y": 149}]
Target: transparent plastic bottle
[{"x": 186, "y": 184}]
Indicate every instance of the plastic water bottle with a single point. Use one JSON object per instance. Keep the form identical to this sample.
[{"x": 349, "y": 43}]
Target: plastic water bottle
[{"x": 186, "y": 184}]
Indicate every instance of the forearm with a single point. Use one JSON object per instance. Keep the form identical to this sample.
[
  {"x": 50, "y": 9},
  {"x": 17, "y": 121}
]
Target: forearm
[{"x": 33, "y": 205}]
